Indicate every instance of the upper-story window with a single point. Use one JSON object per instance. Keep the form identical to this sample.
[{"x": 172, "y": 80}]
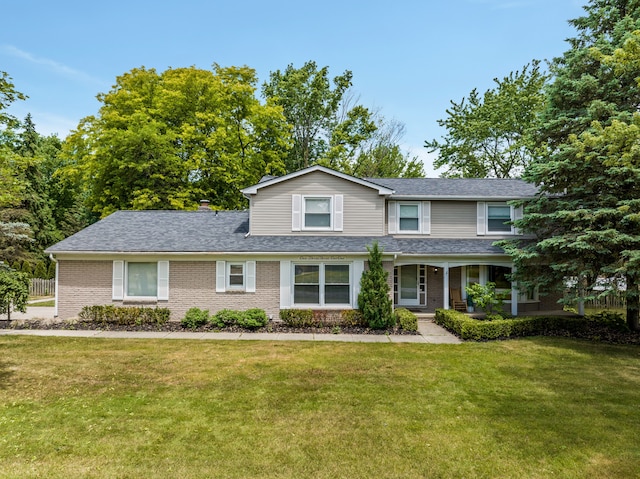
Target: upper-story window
[
  {"x": 409, "y": 217},
  {"x": 499, "y": 215},
  {"x": 497, "y": 218},
  {"x": 317, "y": 213}
]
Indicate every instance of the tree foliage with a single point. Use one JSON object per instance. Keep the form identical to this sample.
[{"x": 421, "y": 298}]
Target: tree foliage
[
  {"x": 374, "y": 300},
  {"x": 488, "y": 136},
  {"x": 8, "y": 95},
  {"x": 14, "y": 291},
  {"x": 166, "y": 140},
  {"x": 330, "y": 128},
  {"x": 586, "y": 218}
]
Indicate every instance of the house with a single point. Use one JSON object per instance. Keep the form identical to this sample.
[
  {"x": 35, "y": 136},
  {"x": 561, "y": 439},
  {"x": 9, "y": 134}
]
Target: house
[{"x": 301, "y": 244}]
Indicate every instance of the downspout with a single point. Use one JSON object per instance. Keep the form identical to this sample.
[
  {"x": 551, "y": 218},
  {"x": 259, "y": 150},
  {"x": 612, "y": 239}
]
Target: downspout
[{"x": 55, "y": 306}]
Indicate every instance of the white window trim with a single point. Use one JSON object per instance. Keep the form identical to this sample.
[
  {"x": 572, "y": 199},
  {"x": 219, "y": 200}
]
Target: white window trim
[
  {"x": 400, "y": 204},
  {"x": 511, "y": 218},
  {"x": 120, "y": 281},
  {"x": 304, "y": 212},
  {"x": 321, "y": 285},
  {"x": 223, "y": 275},
  {"x": 236, "y": 287},
  {"x": 424, "y": 217}
]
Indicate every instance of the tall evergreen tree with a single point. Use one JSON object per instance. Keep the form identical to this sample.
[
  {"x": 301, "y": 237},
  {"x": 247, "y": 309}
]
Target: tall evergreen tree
[{"x": 586, "y": 217}]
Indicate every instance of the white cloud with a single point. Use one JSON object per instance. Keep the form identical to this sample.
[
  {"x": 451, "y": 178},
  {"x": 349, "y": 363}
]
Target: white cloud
[{"x": 51, "y": 65}]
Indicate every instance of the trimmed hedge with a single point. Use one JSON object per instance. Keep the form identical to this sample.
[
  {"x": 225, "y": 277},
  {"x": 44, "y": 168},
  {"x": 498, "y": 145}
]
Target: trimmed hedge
[
  {"x": 353, "y": 318},
  {"x": 298, "y": 318},
  {"x": 406, "y": 320},
  {"x": 477, "y": 330},
  {"x": 125, "y": 316}
]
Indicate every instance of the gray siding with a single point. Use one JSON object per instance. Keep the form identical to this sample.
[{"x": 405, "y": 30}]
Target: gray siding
[
  {"x": 271, "y": 208},
  {"x": 454, "y": 219}
]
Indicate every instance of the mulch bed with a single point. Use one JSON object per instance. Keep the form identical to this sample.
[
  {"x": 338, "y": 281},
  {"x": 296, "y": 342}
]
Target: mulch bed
[{"x": 175, "y": 326}]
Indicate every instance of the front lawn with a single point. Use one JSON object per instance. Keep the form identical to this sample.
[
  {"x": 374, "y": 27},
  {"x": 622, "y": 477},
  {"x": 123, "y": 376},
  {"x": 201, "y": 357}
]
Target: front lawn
[{"x": 538, "y": 407}]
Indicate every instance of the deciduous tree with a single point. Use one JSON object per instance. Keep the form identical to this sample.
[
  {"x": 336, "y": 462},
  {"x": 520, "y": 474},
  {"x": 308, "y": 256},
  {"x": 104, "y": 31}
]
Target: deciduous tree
[
  {"x": 165, "y": 141},
  {"x": 488, "y": 136}
]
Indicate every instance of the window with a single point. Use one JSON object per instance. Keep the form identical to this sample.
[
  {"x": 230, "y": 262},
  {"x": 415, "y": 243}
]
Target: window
[
  {"x": 317, "y": 213},
  {"x": 321, "y": 284},
  {"x": 498, "y": 218},
  {"x": 336, "y": 284},
  {"x": 142, "y": 279},
  {"x": 306, "y": 288},
  {"x": 409, "y": 215},
  {"x": 235, "y": 275},
  {"x": 498, "y": 275}
]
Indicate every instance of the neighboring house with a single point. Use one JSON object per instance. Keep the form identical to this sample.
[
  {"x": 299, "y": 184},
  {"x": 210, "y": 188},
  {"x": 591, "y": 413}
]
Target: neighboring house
[{"x": 301, "y": 244}]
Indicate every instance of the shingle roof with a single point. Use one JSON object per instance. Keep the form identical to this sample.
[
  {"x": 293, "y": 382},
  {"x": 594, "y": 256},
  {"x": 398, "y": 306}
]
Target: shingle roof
[
  {"x": 225, "y": 232},
  {"x": 472, "y": 188}
]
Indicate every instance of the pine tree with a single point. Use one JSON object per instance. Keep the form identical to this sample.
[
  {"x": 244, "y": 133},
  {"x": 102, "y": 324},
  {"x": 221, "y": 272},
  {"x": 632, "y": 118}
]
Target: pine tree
[
  {"x": 586, "y": 216},
  {"x": 374, "y": 300},
  {"x": 40, "y": 271}
]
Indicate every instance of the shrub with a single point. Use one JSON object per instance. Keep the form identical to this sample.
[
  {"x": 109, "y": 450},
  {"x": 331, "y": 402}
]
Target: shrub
[
  {"x": 352, "y": 317},
  {"x": 194, "y": 318},
  {"x": 406, "y": 320},
  {"x": 485, "y": 297},
  {"x": 125, "y": 316},
  {"x": 253, "y": 318},
  {"x": 478, "y": 330},
  {"x": 227, "y": 317},
  {"x": 374, "y": 300},
  {"x": 297, "y": 318},
  {"x": 610, "y": 319}
]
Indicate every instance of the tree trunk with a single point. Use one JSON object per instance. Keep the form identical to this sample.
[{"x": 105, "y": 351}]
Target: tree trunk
[{"x": 633, "y": 303}]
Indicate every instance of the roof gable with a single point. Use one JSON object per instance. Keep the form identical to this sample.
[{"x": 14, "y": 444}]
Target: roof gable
[{"x": 381, "y": 189}]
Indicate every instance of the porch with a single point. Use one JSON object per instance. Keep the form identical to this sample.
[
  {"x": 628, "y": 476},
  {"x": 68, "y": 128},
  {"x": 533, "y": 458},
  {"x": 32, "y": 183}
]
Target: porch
[{"x": 425, "y": 286}]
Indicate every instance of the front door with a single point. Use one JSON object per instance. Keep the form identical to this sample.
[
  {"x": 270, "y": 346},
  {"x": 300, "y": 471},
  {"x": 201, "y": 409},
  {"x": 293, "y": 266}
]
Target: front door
[{"x": 408, "y": 284}]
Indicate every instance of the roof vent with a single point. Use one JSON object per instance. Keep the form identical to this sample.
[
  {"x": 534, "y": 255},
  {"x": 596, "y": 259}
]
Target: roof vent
[{"x": 204, "y": 205}]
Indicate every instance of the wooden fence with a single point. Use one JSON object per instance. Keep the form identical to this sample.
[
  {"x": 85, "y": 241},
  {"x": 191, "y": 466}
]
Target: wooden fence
[
  {"x": 608, "y": 302},
  {"x": 42, "y": 287}
]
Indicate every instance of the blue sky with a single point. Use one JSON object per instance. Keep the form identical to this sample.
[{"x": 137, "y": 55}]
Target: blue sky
[{"x": 408, "y": 58}]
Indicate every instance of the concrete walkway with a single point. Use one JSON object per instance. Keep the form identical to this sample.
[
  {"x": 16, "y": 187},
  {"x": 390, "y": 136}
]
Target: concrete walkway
[{"x": 429, "y": 332}]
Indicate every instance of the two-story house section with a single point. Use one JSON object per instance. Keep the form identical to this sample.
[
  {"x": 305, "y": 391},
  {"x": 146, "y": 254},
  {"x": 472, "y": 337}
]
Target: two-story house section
[{"x": 301, "y": 244}]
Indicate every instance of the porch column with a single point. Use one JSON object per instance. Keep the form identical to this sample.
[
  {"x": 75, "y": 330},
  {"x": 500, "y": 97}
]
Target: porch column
[
  {"x": 445, "y": 280},
  {"x": 514, "y": 299},
  {"x": 514, "y": 295}
]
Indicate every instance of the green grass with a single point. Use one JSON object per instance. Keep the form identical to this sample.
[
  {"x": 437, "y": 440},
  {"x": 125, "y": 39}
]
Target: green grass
[
  {"x": 540, "y": 407},
  {"x": 42, "y": 304}
]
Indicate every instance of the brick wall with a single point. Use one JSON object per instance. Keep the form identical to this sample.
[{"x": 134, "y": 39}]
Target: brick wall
[
  {"x": 435, "y": 289},
  {"x": 191, "y": 284},
  {"x": 83, "y": 283}
]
